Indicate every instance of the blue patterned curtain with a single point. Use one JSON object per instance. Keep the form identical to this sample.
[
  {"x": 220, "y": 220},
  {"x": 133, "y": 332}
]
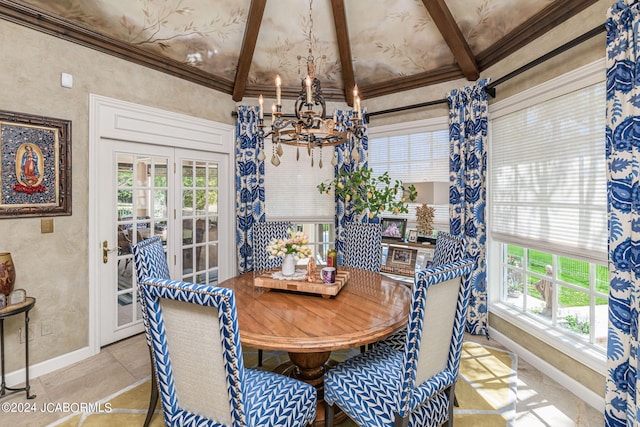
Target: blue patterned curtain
[
  {"x": 467, "y": 190},
  {"x": 346, "y": 162},
  {"x": 623, "y": 191},
  {"x": 249, "y": 184}
]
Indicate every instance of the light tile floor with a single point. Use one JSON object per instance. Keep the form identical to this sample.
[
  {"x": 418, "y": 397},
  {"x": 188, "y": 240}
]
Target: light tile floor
[{"x": 541, "y": 401}]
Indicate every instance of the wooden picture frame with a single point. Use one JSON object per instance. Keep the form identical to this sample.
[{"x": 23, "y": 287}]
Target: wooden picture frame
[
  {"x": 413, "y": 236},
  {"x": 400, "y": 260},
  {"x": 35, "y": 166}
]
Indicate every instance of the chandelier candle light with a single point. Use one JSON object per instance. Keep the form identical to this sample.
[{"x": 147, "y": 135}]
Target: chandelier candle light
[{"x": 310, "y": 128}]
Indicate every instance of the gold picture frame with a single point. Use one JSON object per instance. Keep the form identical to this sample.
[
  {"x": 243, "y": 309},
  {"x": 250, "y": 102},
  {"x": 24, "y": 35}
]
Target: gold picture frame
[{"x": 35, "y": 165}]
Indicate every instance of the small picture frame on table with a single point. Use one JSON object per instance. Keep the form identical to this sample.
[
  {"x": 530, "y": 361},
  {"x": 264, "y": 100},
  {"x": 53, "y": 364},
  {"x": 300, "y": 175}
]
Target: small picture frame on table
[
  {"x": 413, "y": 236},
  {"x": 18, "y": 296},
  {"x": 393, "y": 228}
]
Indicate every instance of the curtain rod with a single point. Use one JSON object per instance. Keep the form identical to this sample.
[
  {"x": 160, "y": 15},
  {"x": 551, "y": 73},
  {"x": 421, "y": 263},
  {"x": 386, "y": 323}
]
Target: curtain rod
[{"x": 491, "y": 87}]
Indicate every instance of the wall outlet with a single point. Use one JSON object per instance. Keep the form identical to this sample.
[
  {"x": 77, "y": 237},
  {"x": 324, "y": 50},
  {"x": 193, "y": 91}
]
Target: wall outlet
[
  {"x": 31, "y": 334},
  {"x": 46, "y": 328}
]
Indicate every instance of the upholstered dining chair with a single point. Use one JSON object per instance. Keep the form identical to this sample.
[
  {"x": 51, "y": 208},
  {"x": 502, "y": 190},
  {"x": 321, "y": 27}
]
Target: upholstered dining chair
[
  {"x": 363, "y": 246},
  {"x": 449, "y": 248},
  {"x": 263, "y": 233},
  {"x": 201, "y": 376},
  {"x": 149, "y": 259},
  {"x": 414, "y": 386}
]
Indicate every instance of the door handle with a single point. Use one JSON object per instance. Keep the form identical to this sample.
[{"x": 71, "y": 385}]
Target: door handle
[{"x": 105, "y": 251}]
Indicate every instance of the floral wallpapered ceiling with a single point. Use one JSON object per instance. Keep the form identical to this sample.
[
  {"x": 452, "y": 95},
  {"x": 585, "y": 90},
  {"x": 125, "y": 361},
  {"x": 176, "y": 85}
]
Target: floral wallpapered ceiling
[{"x": 388, "y": 39}]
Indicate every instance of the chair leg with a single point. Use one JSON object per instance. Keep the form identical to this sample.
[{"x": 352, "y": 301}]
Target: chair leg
[
  {"x": 259, "y": 357},
  {"x": 452, "y": 398},
  {"x": 401, "y": 421},
  {"x": 153, "y": 399},
  {"x": 329, "y": 413}
]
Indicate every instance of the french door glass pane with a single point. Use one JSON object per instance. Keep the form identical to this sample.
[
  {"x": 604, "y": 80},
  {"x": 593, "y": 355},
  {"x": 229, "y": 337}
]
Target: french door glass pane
[
  {"x": 199, "y": 221},
  {"x": 141, "y": 213}
]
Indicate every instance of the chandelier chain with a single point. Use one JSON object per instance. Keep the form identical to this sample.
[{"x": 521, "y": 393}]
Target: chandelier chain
[{"x": 310, "y": 28}]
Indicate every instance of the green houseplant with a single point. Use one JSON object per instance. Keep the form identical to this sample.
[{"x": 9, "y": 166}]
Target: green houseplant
[{"x": 366, "y": 193}]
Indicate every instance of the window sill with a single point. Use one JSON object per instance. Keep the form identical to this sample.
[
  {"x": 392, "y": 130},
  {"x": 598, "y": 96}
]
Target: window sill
[{"x": 584, "y": 353}]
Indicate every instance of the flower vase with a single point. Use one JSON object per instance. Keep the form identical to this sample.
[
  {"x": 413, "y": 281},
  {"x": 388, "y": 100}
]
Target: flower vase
[
  {"x": 7, "y": 273},
  {"x": 288, "y": 265}
]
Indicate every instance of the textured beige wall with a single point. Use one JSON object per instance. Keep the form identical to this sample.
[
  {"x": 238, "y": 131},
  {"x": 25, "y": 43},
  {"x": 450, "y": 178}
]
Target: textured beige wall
[{"x": 54, "y": 267}]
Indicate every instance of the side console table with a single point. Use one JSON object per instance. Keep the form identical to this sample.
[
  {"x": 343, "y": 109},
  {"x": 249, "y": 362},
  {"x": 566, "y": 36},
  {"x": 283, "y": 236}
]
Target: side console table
[{"x": 9, "y": 311}]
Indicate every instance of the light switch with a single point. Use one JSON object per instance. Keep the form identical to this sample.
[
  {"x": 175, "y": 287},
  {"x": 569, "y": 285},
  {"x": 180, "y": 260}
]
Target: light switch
[
  {"x": 66, "y": 80},
  {"x": 46, "y": 225}
]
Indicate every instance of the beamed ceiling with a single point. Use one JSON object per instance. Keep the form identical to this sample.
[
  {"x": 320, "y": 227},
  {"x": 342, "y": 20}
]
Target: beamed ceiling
[{"x": 239, "y": 46}]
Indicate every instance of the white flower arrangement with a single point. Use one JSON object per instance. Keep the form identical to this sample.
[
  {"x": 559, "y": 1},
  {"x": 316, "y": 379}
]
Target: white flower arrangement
[{"x": 294, "y": 244}]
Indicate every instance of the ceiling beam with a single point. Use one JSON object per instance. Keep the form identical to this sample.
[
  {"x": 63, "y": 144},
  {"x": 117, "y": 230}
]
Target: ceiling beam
[
  {"x": 451, "y": 33},
  {"x": 539, "y": 24},
  {"x": 254, "y": 21},
  {"x": 344, "y": 47}
]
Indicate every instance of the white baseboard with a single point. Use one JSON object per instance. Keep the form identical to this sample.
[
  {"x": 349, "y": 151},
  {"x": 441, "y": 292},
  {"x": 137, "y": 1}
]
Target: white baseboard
[
  {"x": 552, "y": 372},
  {"x": 17, "y": 377}
]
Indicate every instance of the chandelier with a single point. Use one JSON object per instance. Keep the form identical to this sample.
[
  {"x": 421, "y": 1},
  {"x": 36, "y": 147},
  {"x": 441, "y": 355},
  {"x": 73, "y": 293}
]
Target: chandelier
[{"x": 309, "y": 127}]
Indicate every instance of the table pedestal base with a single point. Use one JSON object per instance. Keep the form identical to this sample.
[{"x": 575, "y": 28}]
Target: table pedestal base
[{"x": 310, "y": 368}]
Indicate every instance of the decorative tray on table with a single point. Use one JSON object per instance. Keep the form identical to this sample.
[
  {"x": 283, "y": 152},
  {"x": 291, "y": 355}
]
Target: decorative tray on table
[{"x": 299, "y": 283}]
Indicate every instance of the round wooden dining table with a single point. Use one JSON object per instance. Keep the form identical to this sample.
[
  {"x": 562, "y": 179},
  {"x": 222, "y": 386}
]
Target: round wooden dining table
[{"x": 369, "y": 307}]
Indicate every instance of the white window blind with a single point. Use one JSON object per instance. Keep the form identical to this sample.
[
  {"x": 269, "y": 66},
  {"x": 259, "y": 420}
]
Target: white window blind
[
  {"x": 290, "y": 189},
  {"x": 418, "y": 152},
  {"x": 548, "y": 178}
]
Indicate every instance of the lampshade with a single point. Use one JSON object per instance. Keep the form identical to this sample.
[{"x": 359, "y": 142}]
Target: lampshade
[{"x": 431, "y": 193}]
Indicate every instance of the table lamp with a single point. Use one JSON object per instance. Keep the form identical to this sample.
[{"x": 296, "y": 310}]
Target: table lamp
[{"x": 429, "y": 193}]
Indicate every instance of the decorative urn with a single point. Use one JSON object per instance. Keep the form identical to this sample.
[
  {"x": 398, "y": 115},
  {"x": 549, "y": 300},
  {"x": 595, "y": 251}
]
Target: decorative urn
[{"x": 7, "y": 273}]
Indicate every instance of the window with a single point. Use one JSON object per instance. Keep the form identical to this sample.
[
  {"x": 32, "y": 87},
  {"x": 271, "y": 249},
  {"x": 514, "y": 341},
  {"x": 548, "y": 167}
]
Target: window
[
  {"x": 290, "y": 189},
  {"x": 565, "y": 293},
  {"x": 548, "y": 212},
  {"x": 291, "y": 195},
  {"x": 413, "y": 152},
  {"x": 321, "y": 239}
]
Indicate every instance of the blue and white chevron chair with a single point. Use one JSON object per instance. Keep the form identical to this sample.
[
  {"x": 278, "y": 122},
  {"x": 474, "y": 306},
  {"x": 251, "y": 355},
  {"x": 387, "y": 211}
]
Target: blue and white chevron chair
[
  {"x": 263, "y": 233},
  {"x": 201, "y": 376},
  {"x": 449, "y": 248},
  {"x": 149, "y": 259},
  {"x": 363, "y": 246},
  {"x": 414, "y": 386}
]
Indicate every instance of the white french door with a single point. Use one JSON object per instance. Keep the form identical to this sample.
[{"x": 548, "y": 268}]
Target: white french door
[{"x": 147, "y": 190}]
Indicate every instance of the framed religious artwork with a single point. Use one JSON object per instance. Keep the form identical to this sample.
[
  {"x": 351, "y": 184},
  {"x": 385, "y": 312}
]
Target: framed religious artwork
[{"x": 35, "y": 165}]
